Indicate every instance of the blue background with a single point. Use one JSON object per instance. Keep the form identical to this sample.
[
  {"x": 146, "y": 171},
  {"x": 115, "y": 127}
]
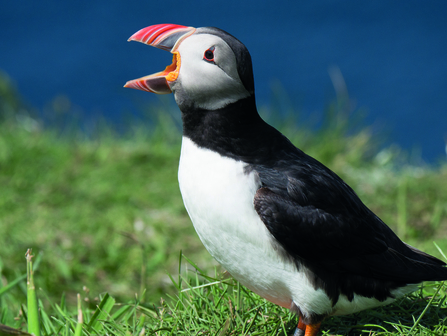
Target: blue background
[{"x": 393, "y": 55}]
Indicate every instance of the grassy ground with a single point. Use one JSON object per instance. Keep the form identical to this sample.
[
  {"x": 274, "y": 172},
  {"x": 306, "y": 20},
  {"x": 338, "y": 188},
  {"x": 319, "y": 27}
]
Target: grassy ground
[{"x": 104, "y": 215}]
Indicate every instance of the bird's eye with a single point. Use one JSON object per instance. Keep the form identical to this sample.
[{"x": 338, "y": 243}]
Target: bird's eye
[{"x": 209, "y": 55}]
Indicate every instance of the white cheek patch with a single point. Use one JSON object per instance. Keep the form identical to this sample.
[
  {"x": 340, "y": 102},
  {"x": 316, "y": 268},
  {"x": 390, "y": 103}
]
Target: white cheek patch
[{"x": 210, "y": 86}]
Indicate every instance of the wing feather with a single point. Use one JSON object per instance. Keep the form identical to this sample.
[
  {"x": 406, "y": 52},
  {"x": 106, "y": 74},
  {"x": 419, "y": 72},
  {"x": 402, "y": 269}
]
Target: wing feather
[{"x": 346, "y": 253}]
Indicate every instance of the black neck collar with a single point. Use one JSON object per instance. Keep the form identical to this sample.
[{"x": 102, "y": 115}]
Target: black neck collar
[{"x": 236, "y": 131}]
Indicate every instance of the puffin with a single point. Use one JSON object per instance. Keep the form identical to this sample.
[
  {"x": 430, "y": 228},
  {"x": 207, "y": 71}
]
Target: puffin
[{"x": 279, "y": 221}]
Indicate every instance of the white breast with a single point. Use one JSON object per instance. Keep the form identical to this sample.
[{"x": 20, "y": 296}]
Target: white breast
[{"x": 218, "y": 196}]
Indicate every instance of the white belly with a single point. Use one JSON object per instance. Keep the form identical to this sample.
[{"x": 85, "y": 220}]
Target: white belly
[{"x": 218, "y": 196}]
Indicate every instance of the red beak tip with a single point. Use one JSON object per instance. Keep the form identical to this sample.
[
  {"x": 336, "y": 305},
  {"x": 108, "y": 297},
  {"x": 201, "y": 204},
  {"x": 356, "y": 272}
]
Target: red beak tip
[{"x": 133, "y": 38}]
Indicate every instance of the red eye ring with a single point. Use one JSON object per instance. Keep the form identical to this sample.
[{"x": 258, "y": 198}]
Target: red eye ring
[{"x": 209, "y": 55}]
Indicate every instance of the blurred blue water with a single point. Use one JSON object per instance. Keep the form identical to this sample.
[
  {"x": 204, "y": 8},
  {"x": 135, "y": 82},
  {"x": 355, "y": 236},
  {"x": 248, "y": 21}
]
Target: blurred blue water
[{"x": 393, "y": 55}]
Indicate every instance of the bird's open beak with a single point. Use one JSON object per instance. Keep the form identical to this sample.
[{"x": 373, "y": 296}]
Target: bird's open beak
[{"x": 166, "y": 37}]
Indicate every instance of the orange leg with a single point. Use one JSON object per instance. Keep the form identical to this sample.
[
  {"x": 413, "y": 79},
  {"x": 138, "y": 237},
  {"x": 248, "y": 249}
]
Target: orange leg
[
  {"x": 306, "y": 330},
  {"x": 312, "y": 329},
  {"x": 300, "y": 329}
]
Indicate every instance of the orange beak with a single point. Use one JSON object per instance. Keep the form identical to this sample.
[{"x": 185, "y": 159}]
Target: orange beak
[{"x": 166, "y": 37}]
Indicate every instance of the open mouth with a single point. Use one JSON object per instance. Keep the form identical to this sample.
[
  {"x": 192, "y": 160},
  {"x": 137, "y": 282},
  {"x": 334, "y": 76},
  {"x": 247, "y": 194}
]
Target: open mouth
[
  {"x": 172, "y": 70},
  {"x": 158, "y": 82},
  {"x": 166, "y": 37}
]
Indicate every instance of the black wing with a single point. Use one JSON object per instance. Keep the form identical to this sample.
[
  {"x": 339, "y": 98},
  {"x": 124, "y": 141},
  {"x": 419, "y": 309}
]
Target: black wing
[{"x": 323, "y": 225}]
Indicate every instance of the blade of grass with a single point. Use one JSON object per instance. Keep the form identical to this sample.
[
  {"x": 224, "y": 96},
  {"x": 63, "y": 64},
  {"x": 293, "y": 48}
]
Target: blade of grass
[
  {"x": 121, "y": 312},
  {"x": 180, "y": 269},
  {"x": 65, "y": 316},
  {"x": 12, "y": 284},
  {"x": 251, "y": 323},
  {"x": 225, "y": 327},
  {"x": 426, "y": 308},
  {"x": 440, "y": 251},
  {"x": 101, "y": 313},
  {"x": 206, "y": 285},
  {"x": 173, "y": 281},
  {"x": 78, "y": 330},
  {"x": 193, "y": 264},
  {"x": 32, "y": 306},
  {"x": 47, "y": 324},
  {"x": 62, "y": 304}
]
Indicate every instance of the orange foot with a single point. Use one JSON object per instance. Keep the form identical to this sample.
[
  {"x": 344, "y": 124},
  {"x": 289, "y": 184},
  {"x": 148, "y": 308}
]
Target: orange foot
[{"x": 306, "y": 329}]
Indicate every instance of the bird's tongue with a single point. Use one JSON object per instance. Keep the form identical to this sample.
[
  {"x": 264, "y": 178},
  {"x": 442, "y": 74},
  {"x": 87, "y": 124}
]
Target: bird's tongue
[
  {"x": 158, "y": 82},
  {"x": 166, "y": 37}
]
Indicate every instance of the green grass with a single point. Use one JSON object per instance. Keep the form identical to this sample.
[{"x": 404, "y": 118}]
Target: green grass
[
  {"x": 216, "y": 305},
  {"x": 104, "y": 217}
]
